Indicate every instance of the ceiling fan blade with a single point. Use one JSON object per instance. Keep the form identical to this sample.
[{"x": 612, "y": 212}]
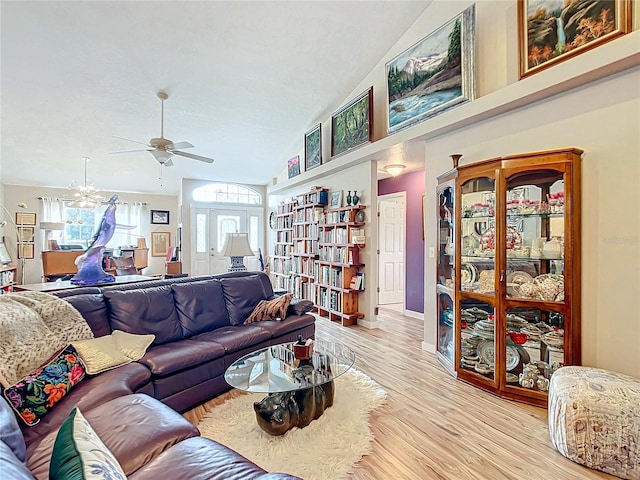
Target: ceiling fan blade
[
  {"x": 168, "y": 163},
  {"x": 129, "y": 140},
  {"x": 130, "y": 151},
  {"x": 181, "y": 145},
  {"x": 193, "y": 156}
]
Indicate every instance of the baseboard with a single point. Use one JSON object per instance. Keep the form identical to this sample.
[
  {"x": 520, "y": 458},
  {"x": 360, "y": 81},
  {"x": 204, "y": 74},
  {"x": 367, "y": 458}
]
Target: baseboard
[
  {"x": 368, "y": 324},
  {"x": 427, "y": 347},
  {"x": 412, "y": 314}
]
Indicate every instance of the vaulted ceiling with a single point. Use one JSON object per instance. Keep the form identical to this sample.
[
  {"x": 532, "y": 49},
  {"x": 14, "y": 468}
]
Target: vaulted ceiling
[{"x": 245, "y": 81}]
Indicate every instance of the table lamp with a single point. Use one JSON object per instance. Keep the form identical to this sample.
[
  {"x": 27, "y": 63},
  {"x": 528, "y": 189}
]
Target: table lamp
[{"x": 237, "y": 247}]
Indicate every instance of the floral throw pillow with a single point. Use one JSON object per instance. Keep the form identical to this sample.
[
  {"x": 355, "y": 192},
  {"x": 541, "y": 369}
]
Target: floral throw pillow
[{"x": 37, "y": 393}]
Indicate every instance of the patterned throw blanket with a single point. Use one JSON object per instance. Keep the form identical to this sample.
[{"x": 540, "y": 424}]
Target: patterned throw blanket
[{"x": 33, "y": 327}]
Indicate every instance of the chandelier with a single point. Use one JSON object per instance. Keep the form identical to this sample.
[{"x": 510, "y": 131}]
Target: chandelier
[{"x": 86, "y": 195}]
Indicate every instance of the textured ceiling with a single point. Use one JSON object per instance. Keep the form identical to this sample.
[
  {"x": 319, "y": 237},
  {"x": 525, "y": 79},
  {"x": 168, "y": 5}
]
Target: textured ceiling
[{"x": 245, "y": 81}]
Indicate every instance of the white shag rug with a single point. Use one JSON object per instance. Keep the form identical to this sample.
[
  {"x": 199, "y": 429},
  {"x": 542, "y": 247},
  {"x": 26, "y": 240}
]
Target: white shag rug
[{"x": 327, "y": 449}]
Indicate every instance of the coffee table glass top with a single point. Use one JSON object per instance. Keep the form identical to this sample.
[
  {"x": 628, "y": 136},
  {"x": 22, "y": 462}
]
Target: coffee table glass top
[{"x": 275, "y": 369}]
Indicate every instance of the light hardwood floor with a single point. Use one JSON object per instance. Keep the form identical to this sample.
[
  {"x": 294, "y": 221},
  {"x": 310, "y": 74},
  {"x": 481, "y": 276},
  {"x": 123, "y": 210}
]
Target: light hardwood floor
[{"x": 433, "y": 426}]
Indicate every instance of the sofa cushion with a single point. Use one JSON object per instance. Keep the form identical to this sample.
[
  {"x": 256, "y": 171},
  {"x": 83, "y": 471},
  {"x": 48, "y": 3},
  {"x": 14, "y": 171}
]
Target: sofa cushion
[
  {"x": 275, "y": 309},
  {"x": 11, "y": 467},
  {"x": 94, "y": 310},
  {"x": 236, "y": 338},
  {"x": 195, "y": 377},
  {"x": 10, "y": 433},
  {"x": 164, "y": 360},
  {"x": 144, "y": 311},
  {"x": 200, "y": 306},
  {"x": 110, "y": 351},
  {"x": 126, "y": 423},
  {"x": 241, "y": 295},
  {"x": 79, "y": 454},
  {"x": 207, "y": 460},
  {"x": 37, "y": 393}
]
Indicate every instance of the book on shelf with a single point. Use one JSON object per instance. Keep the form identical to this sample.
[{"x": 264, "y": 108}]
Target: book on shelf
[
  {"x": 353, "y": 283},
  {"x": 359, "y": 281}
]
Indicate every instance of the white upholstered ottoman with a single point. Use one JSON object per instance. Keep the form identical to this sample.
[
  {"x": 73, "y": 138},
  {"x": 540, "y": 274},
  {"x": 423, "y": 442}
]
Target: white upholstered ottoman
[{"x": 594, "y": 419}]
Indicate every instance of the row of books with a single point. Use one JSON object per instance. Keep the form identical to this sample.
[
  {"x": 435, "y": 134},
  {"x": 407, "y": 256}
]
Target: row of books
[
  {"x": 309, "y": 214},
  {"x": 284, "y": 236},
  {"x": 330, "y": 276},
  {"x": 286, "y": 207},
  {"x": 306, "y": 246},
  {"x": 302, "y": 289},
  {"x": 283, "y": 250},
  {"x": 7, "y": 277},
  {"x": 305, "y": 265},
  {"x": 347, "y": 255},
  {"x": 307, "y": 231},
  {"x": 357, "y": 281},
  {"x": 331, "y": 299},
  {"x": 284, "y": 222}
]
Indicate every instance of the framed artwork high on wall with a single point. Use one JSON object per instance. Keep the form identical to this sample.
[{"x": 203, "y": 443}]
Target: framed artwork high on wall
[
  {"x": 160, "y": 217},
  {"x": 433, "y": 75},
  {"x": 552, "y": 31},
  {"x": 313, "y": 147},
  {"x": 352, "y": 124}
]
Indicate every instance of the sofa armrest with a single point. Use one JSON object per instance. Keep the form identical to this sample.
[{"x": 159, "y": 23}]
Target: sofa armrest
[{"x": 299, "y": 307}]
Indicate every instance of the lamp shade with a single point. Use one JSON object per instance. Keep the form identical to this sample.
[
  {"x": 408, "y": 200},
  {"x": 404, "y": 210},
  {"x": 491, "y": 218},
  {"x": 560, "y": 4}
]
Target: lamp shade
[
  {"x": 52, "y": 226},
  {"x": 237, "y": 245}
]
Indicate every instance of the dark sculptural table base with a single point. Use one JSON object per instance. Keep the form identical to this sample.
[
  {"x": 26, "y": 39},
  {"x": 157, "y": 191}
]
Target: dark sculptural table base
[{"x": 278, "y": 413}]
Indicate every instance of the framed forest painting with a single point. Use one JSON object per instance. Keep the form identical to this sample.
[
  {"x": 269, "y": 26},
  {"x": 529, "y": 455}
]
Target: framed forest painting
[
  {"x": 552, "y": 31},
  {"x": 352, "y": 124},
  {"x": 313, "y": 147},
  {"x": 433, "y": 75}
]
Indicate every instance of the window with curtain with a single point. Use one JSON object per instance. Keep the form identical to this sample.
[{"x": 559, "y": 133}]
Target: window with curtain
[{"x": 81, "y": 223}]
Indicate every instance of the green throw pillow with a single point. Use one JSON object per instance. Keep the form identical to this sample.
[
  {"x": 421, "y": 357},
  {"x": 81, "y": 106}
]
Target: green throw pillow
[{"x": 79, "y": 454}]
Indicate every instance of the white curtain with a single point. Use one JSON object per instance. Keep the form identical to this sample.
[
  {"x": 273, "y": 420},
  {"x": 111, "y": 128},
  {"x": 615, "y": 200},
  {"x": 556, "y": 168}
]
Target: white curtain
[
  {"x": 130, "y": 214},
  {"x": 52, "y": 211}
]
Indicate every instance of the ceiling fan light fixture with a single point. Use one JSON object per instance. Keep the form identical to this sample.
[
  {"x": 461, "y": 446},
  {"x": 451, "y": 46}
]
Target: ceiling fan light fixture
[
  {"x": 161, "y": 156},
  {"x": 394, "y": 169}
]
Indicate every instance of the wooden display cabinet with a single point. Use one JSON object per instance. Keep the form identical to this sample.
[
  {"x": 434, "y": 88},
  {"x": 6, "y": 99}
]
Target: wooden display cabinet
[{"x": 517, "y": 263}]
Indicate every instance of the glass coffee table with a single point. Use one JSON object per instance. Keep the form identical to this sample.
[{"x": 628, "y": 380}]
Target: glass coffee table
[{"x": 298, "y": 390}]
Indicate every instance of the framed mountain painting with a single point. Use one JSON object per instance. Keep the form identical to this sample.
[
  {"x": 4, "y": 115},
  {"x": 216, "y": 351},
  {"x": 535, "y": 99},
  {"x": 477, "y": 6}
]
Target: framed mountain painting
[
  {"x": 433, "y": 75},
  {"x": 551, "y": 31}
]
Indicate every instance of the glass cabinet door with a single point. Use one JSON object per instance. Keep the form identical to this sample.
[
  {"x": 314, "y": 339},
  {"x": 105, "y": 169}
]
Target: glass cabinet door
[
  {"x": 477, "y": 338},
  {"x": 535, "y": 238},
  {"x": 446, "y": 276},
  {"x": 534, "y": 347},
  {"x": 478, "y": 236}
]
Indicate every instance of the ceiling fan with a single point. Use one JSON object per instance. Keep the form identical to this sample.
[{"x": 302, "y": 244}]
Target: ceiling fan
[{"x": 162, "y": 148}]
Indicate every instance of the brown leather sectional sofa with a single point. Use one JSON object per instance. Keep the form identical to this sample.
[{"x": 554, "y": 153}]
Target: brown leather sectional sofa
[{"x": 148, "y": 437}]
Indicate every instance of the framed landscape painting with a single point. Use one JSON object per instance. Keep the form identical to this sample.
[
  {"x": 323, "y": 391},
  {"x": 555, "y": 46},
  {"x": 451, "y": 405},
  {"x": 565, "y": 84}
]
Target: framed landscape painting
[
  {"x": 313, "y": 147},
  {"x": 551, "y": 31},
  {"x": 433, "y": 75},
  {"x": 352, "y": 124}
]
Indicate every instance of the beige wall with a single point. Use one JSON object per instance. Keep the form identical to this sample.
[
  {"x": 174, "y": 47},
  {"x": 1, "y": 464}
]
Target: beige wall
[{"x": 12, "y": 195}]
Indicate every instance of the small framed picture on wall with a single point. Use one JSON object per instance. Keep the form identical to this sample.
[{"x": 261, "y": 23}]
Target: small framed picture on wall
[{"x": 160, "y": 217}]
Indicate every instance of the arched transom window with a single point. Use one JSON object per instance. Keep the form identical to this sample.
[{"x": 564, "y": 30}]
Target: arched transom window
[{"x": 226, "y": 193}]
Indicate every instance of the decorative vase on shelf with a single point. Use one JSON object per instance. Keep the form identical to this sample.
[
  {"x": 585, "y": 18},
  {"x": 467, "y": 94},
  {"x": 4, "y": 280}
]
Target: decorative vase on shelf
[
  {"x": 348, "y": 199},
  {"x": 355, "y": 198}
]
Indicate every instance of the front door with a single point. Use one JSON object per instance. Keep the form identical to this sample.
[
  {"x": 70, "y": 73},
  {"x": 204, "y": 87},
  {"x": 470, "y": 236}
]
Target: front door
[
  {"x": 391, "y": 240},
  {"x": 222, "y": 222}
]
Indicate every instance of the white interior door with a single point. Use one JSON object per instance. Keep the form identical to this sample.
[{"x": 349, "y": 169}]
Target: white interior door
[{"x": 391, "y": 242}]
